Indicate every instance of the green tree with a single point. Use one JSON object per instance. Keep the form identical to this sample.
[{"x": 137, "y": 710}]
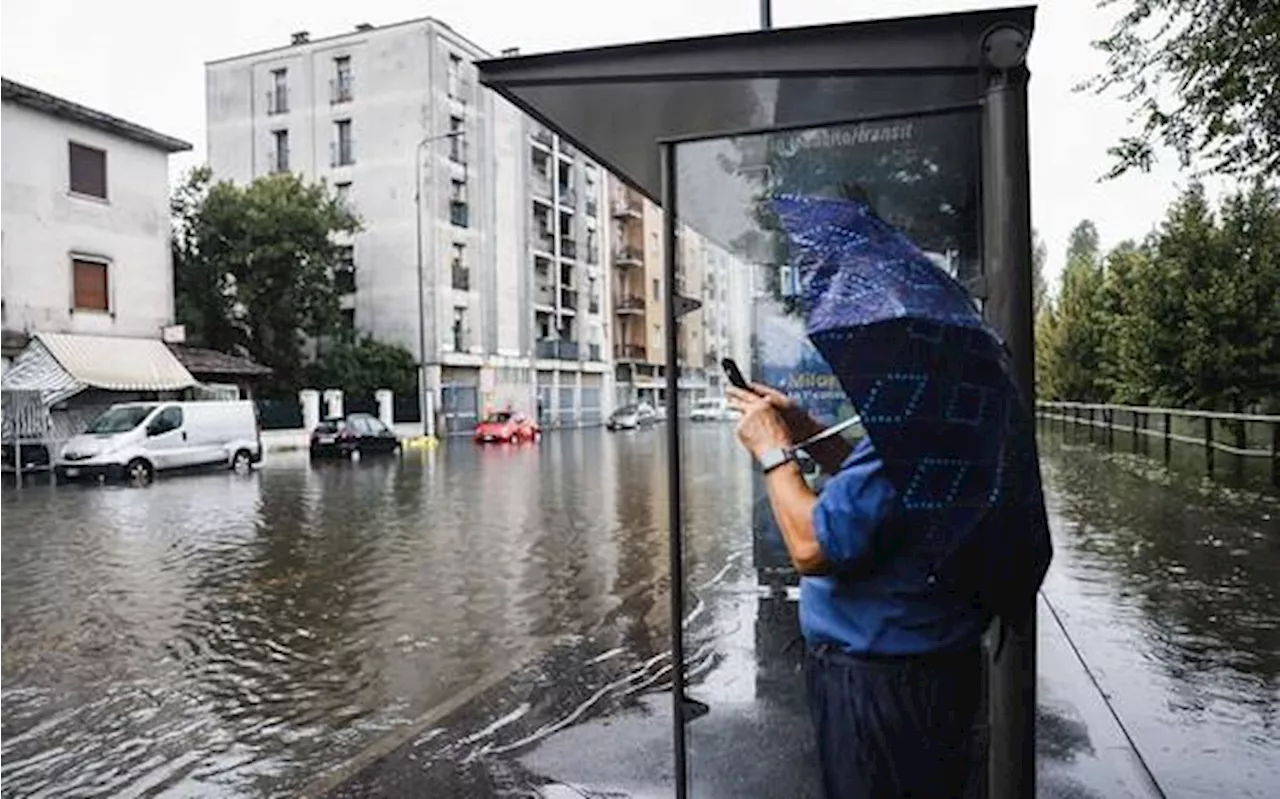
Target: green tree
[
  {"x": 1203, "y": 78},
  {"x": 362, "y": 366},
  {"x": 1039, "y": 289},
  {"x": 254, "y": 266},
  {"x": 1072, "y": 344}
]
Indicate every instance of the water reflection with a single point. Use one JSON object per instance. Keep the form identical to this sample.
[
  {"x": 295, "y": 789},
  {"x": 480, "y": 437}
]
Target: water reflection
[
  {"x": 238, "y": 635},
  {"x": 1169, "y": 588}
]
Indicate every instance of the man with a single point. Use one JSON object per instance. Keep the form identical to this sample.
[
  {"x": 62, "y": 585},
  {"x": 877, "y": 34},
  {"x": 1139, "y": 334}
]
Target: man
[{"x": 894, "y": 662}]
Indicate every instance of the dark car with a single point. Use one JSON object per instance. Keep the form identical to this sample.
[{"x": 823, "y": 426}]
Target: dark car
[{"x": 356, "y": 432}]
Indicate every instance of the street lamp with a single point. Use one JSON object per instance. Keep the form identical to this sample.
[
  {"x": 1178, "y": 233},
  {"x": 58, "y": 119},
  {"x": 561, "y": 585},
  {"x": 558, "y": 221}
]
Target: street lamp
[{"x": 424, "y": 406}]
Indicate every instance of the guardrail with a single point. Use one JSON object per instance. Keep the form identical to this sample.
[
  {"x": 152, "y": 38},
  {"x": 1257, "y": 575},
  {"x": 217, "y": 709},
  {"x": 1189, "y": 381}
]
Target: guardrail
[{"x": 1103, "y": 420}]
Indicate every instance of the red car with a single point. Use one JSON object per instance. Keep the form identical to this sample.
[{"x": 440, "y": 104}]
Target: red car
[{"x": 506, "y": 426}]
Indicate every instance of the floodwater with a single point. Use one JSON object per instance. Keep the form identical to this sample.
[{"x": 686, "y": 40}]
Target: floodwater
[{"x": 241, "y": 636}]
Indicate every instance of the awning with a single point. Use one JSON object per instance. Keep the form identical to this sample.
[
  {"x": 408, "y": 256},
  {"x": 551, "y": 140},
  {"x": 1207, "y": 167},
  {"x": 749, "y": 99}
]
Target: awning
[{"x": 60, "y": 365}]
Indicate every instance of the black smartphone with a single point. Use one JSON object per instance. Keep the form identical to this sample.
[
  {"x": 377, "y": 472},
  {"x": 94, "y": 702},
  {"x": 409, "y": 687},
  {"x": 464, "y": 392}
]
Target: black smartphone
[{"x": 734, "y": 374}]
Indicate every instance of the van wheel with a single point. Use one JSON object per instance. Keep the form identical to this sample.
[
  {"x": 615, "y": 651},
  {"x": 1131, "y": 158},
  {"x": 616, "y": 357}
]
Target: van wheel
[
  {"x": 139, "y": 472},
  {"x": 241, "y": 462}
]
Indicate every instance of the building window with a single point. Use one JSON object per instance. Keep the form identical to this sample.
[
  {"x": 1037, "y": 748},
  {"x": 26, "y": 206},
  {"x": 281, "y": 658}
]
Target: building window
[
  {"x": 342, "y": 193},
  {"x": 280, "y": 151},
  {"x": 344, "y": 272},
  {"x": 349, "y": 321},
  {"x": 457, "y": 143},
  {"x": 458, "y": 211},
  {"x": 459, "y": 329},
  {"x": 657, "y": 290},
  {"x": 88, "y": 170},
  {"x": 455, "y": 76},
  {"x": 343, "y": 147},
  {"x": 89, "y": 285},
  {"x": 278, "y": 94},
  {"x": 461, "y": 275},
  {"x": 340, "y": 85}
]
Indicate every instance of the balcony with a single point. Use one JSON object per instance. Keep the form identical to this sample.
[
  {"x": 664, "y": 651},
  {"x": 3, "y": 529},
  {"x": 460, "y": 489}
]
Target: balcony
[
  {"x": 557, "y": 350},
  {"x": 626, "y": 209},
  {"x": 624, "y": 257},
  {"x": 630, "y": 304},
  {"x": 340, "y": 90},
  {"x": 569, "y": 299},
  {"x": 629, "y": 352},
  {"x": 542, "y": 240},
  {"x": 593, "y": 352},
  {"x": 278, "y": 101},
  {"x": 568, "y": 248},
  {"x": 459, "y": 214},
  {"x": 544, "y": 294},
  {"x": 461, "y": 278}
]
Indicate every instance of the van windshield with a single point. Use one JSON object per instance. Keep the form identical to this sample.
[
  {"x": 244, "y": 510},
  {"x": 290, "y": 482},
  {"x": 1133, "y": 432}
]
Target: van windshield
[{"x": 121, "y": 419}]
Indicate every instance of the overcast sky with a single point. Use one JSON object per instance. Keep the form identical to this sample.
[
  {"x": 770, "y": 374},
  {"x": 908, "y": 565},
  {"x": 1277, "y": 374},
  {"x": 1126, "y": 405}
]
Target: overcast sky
[{"x": 144, "y": 60}]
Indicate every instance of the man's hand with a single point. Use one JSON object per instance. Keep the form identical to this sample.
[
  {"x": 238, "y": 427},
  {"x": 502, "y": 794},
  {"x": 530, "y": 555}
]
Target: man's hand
[
  {"x": 799, "y": 423},
  {"x": 762, "y": 426}
]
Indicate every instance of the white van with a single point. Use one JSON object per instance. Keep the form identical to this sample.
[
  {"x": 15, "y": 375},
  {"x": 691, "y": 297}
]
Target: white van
[{"x": 136, "y": 440}]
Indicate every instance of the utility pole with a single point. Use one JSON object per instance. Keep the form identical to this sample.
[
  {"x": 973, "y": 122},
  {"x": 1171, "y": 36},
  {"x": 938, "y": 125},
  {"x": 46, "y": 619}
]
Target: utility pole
[
  {"x": 425, "y": 410},
  {"x": 766, "y": 14}
]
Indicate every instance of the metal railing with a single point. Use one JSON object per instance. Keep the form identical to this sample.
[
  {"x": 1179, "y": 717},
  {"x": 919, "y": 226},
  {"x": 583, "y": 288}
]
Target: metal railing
[
  {"x": 628, "y": 256},
  {"x": 1251, "y": 435},
  {"x": 630, "y": 303},
  {"x": 340, "y": 90},
  {"x": 629, "y": 352},
  {"x": 278, "y": 101},
  {"x": 557, "y": 350}
]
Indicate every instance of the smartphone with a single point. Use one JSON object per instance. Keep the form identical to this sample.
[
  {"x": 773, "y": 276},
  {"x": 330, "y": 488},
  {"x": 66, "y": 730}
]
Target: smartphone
[{"x": 734, "y": 374}]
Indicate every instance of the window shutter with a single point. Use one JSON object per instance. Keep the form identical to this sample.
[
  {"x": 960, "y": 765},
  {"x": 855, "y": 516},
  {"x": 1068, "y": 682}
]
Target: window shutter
[{"x": 90, "y": 286}]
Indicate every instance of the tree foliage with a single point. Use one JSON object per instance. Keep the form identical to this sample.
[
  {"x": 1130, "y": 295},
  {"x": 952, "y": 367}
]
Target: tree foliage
[
  {"x": 1203, "y": 77},
  {"x": 254, "y": 266},
  {"x": 1190, "y": 317},
  {"x": 362, "y": 366}
]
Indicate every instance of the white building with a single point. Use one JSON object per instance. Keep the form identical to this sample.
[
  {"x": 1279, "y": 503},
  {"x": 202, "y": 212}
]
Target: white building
[
  {"x": 85, "y": 222},
  {"x": 371, "y": 110}
]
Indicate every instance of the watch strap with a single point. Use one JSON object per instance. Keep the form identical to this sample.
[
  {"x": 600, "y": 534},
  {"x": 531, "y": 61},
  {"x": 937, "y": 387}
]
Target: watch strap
[{"x": 771, "y": 459}]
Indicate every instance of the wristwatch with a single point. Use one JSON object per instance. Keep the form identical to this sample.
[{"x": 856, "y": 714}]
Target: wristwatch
[{"x": 771, "y": 459}]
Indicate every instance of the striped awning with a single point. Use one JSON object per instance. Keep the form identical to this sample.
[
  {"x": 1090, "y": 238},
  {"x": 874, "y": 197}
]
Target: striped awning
[{"x": 60, "y": 365}]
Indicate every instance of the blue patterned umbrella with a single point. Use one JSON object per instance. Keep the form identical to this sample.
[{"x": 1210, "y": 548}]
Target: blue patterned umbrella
[{"x": 933, "y": 385}]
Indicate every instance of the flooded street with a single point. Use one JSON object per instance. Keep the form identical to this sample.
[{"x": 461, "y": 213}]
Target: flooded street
[{"x": 240, "y": 636}]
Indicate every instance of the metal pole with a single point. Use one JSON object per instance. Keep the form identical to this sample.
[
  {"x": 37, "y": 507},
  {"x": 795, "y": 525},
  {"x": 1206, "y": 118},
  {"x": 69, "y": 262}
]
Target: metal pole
[
  {"x": 1006, "y": 242},
  {"x": 428, "y": 423},
  {"x": 766, "y": 14},
  {"x": 674, "y": 484},
  {"x": 425, "y": 410}
]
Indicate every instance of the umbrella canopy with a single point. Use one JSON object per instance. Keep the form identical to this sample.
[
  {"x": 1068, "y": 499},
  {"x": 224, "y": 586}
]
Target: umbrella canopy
[{"x": 933, "y": 385}]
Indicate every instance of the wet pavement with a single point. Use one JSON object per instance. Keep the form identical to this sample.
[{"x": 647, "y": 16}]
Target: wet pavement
[{"x": 471, "y": 622}]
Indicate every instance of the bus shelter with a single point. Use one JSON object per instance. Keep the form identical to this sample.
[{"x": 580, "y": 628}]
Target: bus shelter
[{"x": 925, "y": 118}]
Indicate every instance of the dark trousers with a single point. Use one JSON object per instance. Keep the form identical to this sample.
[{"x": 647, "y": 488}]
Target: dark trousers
[{"x": 894, "y": 727}]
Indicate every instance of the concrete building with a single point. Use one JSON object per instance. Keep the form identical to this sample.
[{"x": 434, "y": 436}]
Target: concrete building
[
  {"x": 639, "y": 300},
  {"x": 85, "y": 222},
  {"x": 375, "y": 110}
]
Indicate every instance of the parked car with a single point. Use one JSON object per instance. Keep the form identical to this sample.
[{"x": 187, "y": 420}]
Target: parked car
[
  {"x": 632, "y": 417},
  {"x": 506, "y": 426},
  {"x": 137, "y": 440},
  {"x": 355, "y": 433},
  {"x": 710, "y": 409}
]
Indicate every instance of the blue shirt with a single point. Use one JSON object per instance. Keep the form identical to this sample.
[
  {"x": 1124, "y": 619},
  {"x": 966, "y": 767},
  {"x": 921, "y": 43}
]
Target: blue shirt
[{"x": 878, "y": 598}]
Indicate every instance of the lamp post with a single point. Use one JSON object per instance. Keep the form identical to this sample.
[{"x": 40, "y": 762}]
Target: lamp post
[{"x": 425, "y": 411}]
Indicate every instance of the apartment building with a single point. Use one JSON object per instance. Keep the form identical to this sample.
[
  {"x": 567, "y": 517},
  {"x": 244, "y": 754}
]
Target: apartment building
[
  {"x": 482, "y": 235},
  {"x": 639, "y": 299},
  {"x": 566, "y": 235},
  {"x": 86, "y": 249}
]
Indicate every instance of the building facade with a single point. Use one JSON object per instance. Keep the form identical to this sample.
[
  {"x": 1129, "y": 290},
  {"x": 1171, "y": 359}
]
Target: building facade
[
  {"x": 472, "y": 216},
  {"x": 85, "y": 222}
]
